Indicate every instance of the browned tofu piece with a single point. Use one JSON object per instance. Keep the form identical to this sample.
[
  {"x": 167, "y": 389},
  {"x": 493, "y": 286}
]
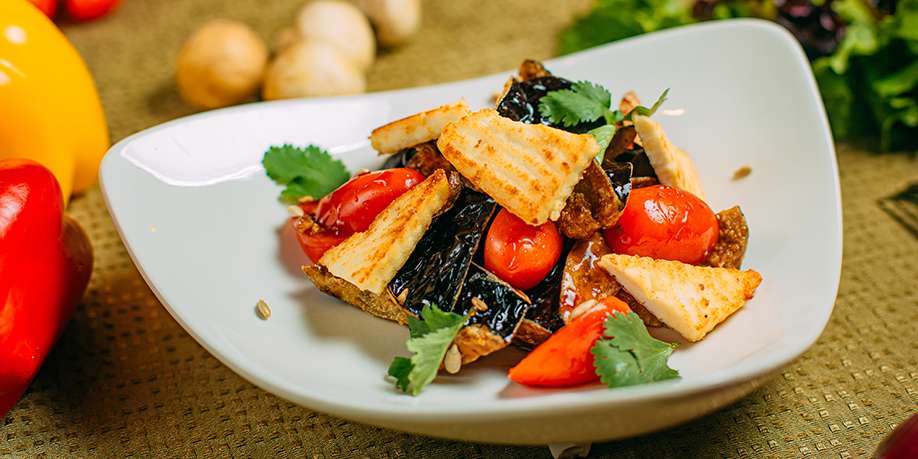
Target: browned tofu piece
[
  {"x": 529, "y": 169},
  {"x": 415, "y": 129},
  {"x": 370, "y": 259},
  {"x": 691, "y": 300}
]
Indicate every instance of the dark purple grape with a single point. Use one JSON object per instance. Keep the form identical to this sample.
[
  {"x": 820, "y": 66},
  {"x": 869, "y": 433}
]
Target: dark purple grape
[{"x": 817, "y": 27}]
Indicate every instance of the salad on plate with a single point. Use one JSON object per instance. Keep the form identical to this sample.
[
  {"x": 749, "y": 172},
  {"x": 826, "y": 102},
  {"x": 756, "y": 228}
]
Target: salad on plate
[{"x": 556, "y": 222}]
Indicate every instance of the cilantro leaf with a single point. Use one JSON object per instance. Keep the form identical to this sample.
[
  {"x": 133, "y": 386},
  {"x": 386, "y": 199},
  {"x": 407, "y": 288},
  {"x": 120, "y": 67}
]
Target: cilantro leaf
[
  {"x": 603, "y": 135},
  {"x": 306, "y": 171},
  {"x": 644, "y": 111},
  {"x": 628, "y": 355},
  {"x": 583, "y": 102},
  {"x": 430, "y": 338}
]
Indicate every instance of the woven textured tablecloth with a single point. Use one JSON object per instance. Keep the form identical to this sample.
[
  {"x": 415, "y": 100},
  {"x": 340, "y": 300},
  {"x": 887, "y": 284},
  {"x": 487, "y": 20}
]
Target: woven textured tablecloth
[{"x": 126, "y": 380}]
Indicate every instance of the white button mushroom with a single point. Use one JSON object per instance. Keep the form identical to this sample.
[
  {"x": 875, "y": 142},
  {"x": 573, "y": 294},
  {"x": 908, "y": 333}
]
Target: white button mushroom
[
  {"x": 221, "y": 64},
  {"x": 396, "y": 20},
  {"x": 309, "y": 69},
  {"x": 342, "y": 25}
]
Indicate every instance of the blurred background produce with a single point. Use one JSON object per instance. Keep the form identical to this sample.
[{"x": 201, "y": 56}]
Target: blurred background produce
[
  {"x": 49, "y": 108},
  {"x": 864, "y": 52},
  {"x": 327, "y": 51}
]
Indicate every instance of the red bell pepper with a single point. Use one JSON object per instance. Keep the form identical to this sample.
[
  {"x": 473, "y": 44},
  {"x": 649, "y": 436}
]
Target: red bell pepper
[
  {"x": 565, "y": 359},
  {"x": 45, "y": 264}
]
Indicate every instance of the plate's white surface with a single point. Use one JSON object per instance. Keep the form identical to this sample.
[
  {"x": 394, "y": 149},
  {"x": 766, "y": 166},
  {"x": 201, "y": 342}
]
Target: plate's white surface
[{"x": 203, "y": 225}]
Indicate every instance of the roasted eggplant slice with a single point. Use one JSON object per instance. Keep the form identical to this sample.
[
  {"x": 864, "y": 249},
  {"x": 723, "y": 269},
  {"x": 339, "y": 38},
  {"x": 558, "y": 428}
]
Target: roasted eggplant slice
[
  {"x": 583, "y": 280},
  {"x": 436, "y": 270},
  {"x": 497, "y": 305},
  {"x": 543, "y": 319},
  {"x": 440, "y": 271},
  {"x": 594, "y": 204},
  {"x": 620, "y": 176},
  {"x": 730, "y": 248}
]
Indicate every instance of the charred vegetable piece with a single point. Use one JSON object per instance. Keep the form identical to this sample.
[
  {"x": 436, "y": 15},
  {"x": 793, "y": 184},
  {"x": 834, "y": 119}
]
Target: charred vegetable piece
[
  {"x": 639, "y": 161},
  {"x": 730, "y": 247},
  {"x": 531, "y": 69},
  {"x": 497, "y": 304},
  {"x": 521, "y": 102},
  {"x": 399, "y": 159},
  {"x": 593, "y": 205},
  {"x": 437, "y": 268},
  {"x": 582, "y": 279},
  {"x": 622, "y": 141},
  {"x": 543, "y": 319},
  {"x": 620, "y": 176},
  {"x": 427, "y": 159}
]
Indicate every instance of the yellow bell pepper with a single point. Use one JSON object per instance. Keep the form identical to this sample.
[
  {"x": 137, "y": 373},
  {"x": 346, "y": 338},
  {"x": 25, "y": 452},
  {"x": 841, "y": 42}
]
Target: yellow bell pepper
[{"x": 49, "y": 108}]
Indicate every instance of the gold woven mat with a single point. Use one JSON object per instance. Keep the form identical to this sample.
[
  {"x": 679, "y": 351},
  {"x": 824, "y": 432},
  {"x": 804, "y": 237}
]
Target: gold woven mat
[{"x": 126, "y": 380}]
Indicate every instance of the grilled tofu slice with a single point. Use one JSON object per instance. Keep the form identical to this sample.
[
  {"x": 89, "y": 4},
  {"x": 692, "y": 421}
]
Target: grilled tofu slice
[
  {"x": 691, "y": 300},
  {"x": 674, "y": 167},
  {"x": 382, "y": 305},
  {"x": 416, "y": 129},
  {"x": 370, "y": 259},
  {"x": 529, "y": 169}
]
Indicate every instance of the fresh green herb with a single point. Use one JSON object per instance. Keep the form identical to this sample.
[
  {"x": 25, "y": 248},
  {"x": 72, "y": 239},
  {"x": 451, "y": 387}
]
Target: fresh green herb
[
  {"x": 644, "y": 111},
  {"x": 628, "y": 355},
  {"x": 612, "y": 20},
  {"x": 869, "y": 82},
  {"x": 309, "y": 171},
  {"x": 430, "y": 338},
  {"x": 603, "y": 135},
  {"x": 582, "y": 103}
]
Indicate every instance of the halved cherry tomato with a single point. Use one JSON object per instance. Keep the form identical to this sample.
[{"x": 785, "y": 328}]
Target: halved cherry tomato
[
  {"x": 521, "y": 254},
  {"x": 353, "y": 206},
  {"x": 566, "y": 358},
  {"x": 666, "y": 223},
  {"x": 350, "y": 209}
]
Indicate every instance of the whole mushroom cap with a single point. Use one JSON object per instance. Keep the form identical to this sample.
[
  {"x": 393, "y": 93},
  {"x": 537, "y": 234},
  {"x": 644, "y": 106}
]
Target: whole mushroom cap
[
  {"x": 221, "y": 64},
  {"x": 310, "y": 69},
  {"x": 396, "y": 21},
  {"x": 342, "y": 25}
]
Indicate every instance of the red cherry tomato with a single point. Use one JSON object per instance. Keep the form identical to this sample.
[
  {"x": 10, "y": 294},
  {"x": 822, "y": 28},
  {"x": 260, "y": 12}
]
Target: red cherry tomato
[
  {"x": 86, "y": 10},
  {"x": 666, "y": 223},
  {"x": 521, "y": 254},
  {"x": 350, "y": 209},
  {"x": 566, "y": 358},
  {"x": 353, "y": 206},
  {"x": 316, "y": 244},
  {"x": 49, "y": 7}
]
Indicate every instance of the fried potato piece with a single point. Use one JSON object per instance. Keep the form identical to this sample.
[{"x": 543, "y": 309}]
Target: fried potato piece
[
  {"x": 529, "y": 169},
  {"x": 673, "y": 166},
  {"x": 370, "y": 259},
  {"x": 415, "y": 129},
  {"x": 691, "y": 300}
]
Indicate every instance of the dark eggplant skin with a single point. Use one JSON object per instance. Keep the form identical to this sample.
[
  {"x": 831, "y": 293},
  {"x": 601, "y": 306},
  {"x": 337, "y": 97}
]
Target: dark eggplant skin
[
  {"x": 399, "y": 159},
  {"x": 437, "y": 268},
  {"x": 521, "y": 102},
  {"x": 620, "y": 176},
  {"x": 546, "y": 296},
  {"x": 639, "y": 161},
  {"x": 441, "y": 271},
  {"x": 506, "y": 305}
]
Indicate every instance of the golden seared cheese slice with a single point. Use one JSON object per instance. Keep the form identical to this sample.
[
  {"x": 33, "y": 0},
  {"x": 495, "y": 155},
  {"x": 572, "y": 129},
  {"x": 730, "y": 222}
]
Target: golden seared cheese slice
[
  {"x": 674, "y": 167},
  {"x": 691, "y": 300},
  {"x": 415, "y": 129},
  {"x": 529, "y": 169},
  {"x": 370, "y": 259}
]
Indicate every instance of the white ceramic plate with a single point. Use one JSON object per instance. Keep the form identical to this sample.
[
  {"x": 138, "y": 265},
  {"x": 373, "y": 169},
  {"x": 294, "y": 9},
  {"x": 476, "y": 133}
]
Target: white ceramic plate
[{"x": 204, "y": 227}]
